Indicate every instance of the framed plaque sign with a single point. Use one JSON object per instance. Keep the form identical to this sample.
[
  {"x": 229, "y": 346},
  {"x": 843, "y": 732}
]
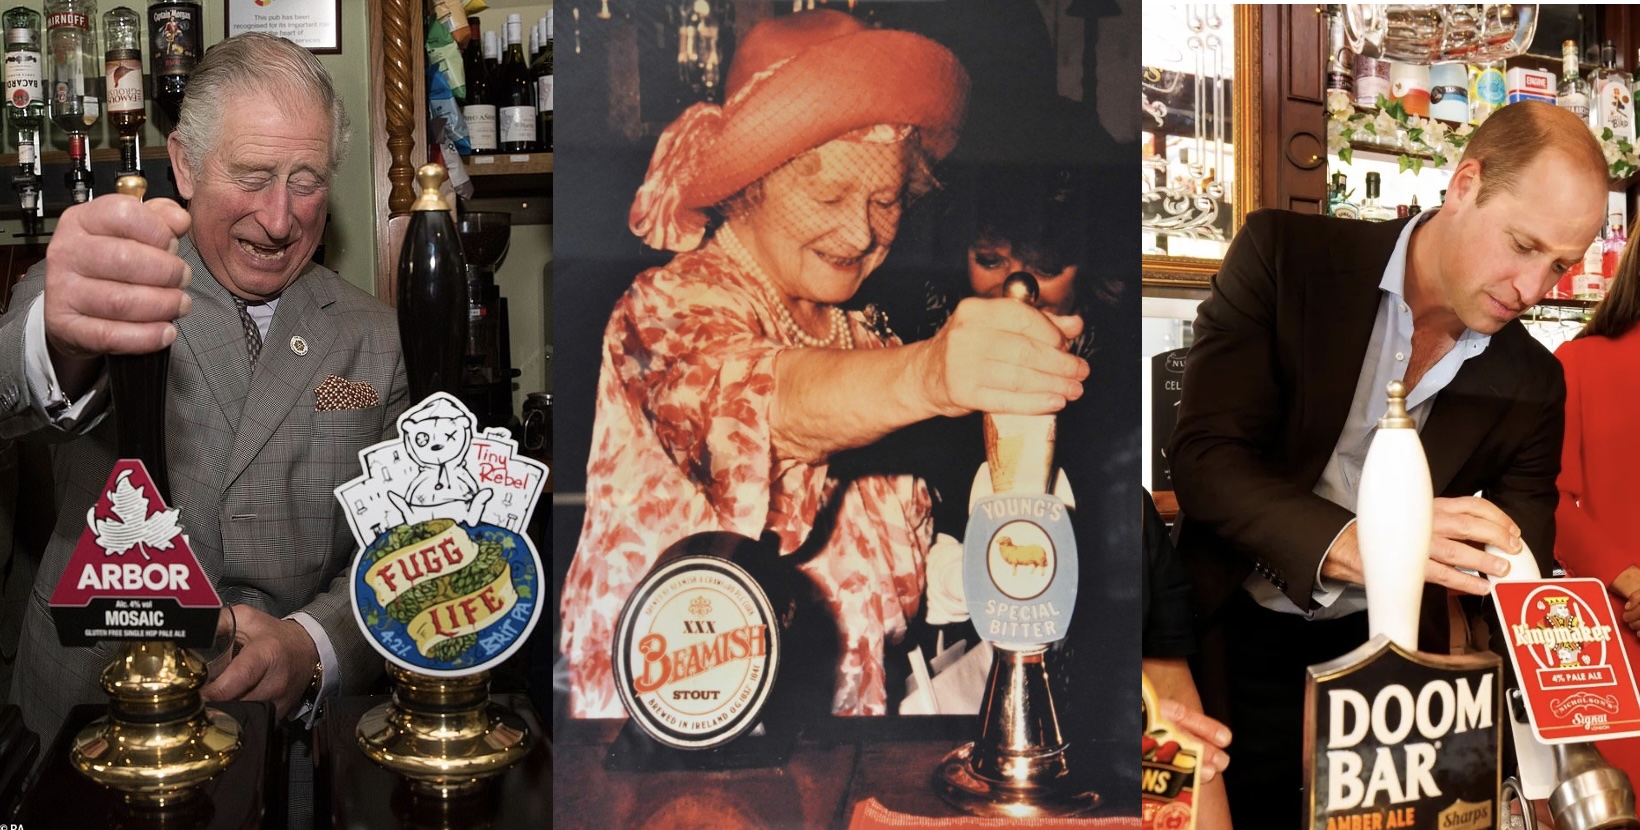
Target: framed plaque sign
[{"x": 313, "y": 24}]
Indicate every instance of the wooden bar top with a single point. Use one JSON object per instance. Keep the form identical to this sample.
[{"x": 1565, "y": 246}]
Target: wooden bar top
[{"x": 834, "y": 766}]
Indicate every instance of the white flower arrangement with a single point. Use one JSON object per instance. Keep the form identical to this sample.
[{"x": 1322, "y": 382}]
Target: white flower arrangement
[{"x": 1420, "y": 141}]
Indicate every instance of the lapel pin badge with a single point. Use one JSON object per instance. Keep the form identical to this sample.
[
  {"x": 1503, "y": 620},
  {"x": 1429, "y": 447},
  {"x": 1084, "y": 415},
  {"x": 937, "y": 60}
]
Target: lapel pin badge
[{"x": 298, "y": 345}]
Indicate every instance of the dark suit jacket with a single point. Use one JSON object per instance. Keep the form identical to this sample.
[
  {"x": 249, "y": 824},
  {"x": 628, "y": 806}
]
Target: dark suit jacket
[
  {"x": 1268, "y": 384},
  {"x": 252, "y": 467}
]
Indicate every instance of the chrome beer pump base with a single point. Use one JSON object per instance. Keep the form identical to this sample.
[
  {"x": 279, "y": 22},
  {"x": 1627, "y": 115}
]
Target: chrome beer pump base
[
  {"x": 158, "y": 743},
  {"x": 1592, "y": 794},
  {"x": 1017, "y": 767},
  {"x": 443, "y": 733}
]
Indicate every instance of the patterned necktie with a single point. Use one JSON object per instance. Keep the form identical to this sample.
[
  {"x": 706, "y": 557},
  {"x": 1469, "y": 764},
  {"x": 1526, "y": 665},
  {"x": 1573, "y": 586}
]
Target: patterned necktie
[{"x": 253, "y": 336}]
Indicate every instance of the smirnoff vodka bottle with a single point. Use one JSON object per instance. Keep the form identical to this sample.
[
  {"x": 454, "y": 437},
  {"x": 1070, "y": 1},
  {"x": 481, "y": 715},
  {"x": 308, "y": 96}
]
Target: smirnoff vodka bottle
[{"x": 76, "y": 84}]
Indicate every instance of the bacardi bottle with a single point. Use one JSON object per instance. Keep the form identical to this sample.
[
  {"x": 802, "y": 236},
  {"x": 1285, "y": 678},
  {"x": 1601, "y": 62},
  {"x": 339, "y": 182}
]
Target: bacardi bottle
[
  {"x": 25, "y": 105},
  {"x": 76, "y": 84},
  {"x": 515, "y": 109},
  {"x": 122, "y": 71},
  {"x": 173, "y": 31}
]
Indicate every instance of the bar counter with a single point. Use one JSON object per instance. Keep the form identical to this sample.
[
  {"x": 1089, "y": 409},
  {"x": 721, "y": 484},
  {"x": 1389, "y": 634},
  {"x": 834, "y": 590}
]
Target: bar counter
[{"x": 836, "y": 765}]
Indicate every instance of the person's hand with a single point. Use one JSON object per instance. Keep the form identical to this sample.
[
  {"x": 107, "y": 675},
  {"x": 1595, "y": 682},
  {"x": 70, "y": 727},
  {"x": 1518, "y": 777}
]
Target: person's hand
[
  {"x": 114, "y": 281},
  {"x": 1631, "y": 612},
  {"x": 275, "y": 664},
  {"x": 1214, "y": 736},
  {"x": 1627, "y": 585},
  {"x": 1461, "y": 527},
  {"x": 1002, "y": 356}
]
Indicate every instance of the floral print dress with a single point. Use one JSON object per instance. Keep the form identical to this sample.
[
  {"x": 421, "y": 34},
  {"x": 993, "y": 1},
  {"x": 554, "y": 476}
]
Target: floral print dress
[{"x": 682, "y": 445}]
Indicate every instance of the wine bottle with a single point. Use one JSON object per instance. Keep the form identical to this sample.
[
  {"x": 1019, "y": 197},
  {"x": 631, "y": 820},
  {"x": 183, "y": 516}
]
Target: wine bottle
[
  {"x": 25, "y": 105},
  {"x": 479, "y": 109},
  {"x": 515, "y": 109},
  {"x": 542, "y": 70},
  {"x": 492, "y": 55},
  {"x": 76, "y": 84},
  {"x": 173, "y": 31},
  {"x": 122, "y": 71},
  {"x": 432, "y": 284}
]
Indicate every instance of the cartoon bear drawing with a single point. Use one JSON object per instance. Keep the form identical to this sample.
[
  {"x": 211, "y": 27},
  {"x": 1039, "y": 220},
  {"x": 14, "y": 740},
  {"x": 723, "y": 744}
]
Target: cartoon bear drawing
[{"x": 438, "y": 434}]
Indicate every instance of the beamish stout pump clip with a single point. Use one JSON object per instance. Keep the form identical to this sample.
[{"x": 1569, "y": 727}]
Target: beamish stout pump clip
[{"x": 1394, "y": 738}]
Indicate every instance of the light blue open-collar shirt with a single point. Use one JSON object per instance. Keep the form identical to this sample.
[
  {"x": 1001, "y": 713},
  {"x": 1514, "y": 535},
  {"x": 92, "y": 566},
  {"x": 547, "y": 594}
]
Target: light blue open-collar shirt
[{"x": 1388, "y": 350}]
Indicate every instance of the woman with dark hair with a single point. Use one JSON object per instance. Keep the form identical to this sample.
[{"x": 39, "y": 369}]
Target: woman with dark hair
[
  {"x": 735, "y": 387},
  {"x": 1038, "y": 221},
  {"x": 1597, "y": 529}
]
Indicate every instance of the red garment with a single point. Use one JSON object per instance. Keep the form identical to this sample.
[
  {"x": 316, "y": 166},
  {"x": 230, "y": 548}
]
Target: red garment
[
  {"x": 682, "y": 444},
  {"x": 1597, "y": 529}
]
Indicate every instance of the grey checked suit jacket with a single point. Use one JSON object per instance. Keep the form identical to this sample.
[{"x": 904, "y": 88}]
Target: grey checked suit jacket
[{"x": 252, "y": 466}]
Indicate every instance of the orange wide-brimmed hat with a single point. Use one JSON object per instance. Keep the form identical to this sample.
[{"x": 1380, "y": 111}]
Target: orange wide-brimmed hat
[{"x": 796, "y": 82}]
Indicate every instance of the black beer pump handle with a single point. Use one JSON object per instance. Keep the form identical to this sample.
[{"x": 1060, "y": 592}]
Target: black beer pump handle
[{"x": 137, "y": 383}]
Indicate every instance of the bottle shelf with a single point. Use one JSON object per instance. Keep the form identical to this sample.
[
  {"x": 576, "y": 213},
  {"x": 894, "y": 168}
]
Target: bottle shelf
[
  {"x": 1382, "y": 153},
  {"x": 98, "y": 156},
  {"x": 503, "y": 164}
]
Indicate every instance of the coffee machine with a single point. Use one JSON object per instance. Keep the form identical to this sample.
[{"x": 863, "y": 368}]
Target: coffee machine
[{"x": 487, "y": 372}]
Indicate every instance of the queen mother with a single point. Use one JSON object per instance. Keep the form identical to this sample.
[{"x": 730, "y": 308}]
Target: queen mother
[{"x": 737, "y": 394}]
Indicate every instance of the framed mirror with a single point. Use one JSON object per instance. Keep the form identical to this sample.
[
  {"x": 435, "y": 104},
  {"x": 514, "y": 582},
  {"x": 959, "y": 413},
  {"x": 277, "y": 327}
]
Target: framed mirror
[{"x": 1202, "y": 70}]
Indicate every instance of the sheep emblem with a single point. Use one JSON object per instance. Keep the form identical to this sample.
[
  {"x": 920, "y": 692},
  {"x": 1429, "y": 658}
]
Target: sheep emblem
[{"x": 1031, "y": 556}]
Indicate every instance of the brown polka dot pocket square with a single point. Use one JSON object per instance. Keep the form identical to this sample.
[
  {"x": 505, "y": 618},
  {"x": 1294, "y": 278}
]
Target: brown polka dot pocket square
[{"x": 340, "y": 393}]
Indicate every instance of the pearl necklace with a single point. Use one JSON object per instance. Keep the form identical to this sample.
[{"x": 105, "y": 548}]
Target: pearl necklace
[{"x": 841, "y": 336}]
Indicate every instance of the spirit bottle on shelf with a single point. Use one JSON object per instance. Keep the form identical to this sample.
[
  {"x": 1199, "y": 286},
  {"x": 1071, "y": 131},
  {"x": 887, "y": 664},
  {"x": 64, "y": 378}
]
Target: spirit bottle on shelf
[
  {"x": 122, "y": 70},
  {"x": 479, "y": 109},
  {"x": 173, "y": 31},
  {"x": 1413, "y": 209},
  {"x": 1574, "y": 91},
  {"x": 1449, "y": 92},
  {"x": 515, "y": 107},
  {"x": 1611, "y": 251},
  {"x": 1614, "y": 102},
  {"x": 1339, "y": 204},
  {"x": 1591, "y": 283},
  {"x": 1634, "y": 80},
  {"x": 1371, "y": 81},
  {"x": 25, "y": 105},
  {"x": 1340, "y": 60},
  {"x": 1372, "y": 209},
  {"x": 76, "y": 84},
  {"x": 1487, "y": 90},
  {"x": 541, "y": 70}
]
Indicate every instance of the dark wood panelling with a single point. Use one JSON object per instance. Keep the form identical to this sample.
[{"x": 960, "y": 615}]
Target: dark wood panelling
[{"x": 1294, "y": 126}]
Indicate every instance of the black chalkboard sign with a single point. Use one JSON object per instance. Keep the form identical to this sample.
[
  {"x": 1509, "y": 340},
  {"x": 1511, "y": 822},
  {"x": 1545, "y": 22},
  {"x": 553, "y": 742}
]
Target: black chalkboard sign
[{"x": 1166, "y": 390}]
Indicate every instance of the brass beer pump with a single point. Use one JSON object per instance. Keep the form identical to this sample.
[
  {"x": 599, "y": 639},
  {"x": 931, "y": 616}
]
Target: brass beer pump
[
  {"x": 442, "y": 733},
  {"x": 1017, "y": 767},
  {"x": 158, "y": 743}
]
